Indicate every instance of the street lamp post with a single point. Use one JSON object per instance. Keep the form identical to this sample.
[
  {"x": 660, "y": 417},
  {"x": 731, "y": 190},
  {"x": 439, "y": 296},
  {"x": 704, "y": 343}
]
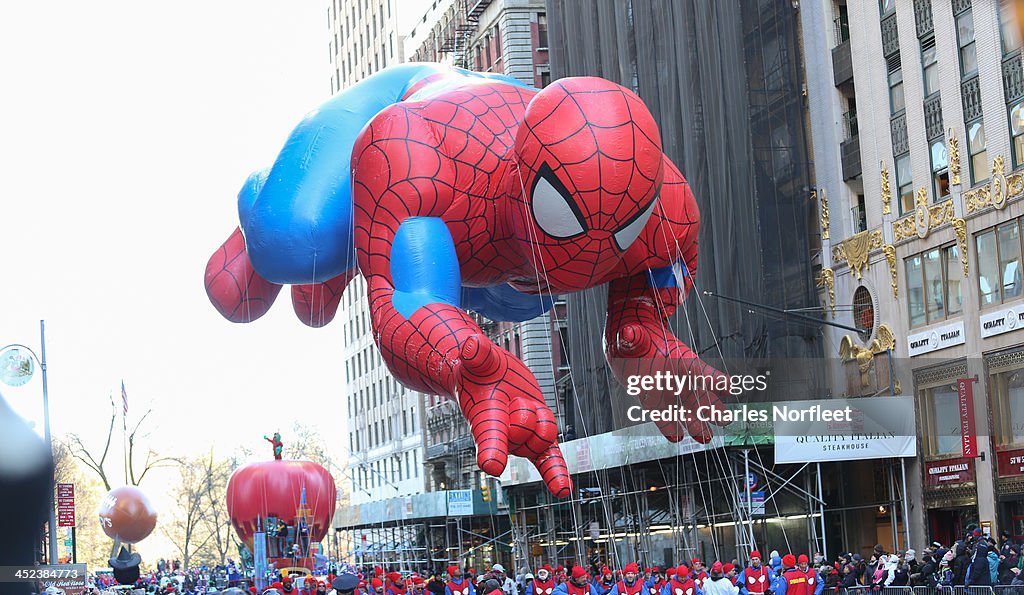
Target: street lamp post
[{"x": 41, "y": 360}]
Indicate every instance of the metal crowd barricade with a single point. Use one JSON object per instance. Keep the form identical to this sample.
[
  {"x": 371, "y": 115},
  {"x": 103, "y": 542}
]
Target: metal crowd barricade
[{"x": 1007, "y": 590}]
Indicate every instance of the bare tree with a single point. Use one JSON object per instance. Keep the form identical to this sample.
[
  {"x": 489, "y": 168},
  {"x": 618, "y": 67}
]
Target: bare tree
[
  {"x": 99, "y": 464},
  {"x": 187, "y": 527},
  {"x": 306, "y": 443},
  {"x": 92, "y": 546},
  {"x": 218, "y": 522},
  {"x": 152, "y": 459},
  {"x": 80, "y": 452}
]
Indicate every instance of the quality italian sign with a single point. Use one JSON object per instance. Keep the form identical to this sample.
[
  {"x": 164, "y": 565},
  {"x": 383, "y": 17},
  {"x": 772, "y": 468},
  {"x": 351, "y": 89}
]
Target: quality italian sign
[{"x": 936, "y": 338}]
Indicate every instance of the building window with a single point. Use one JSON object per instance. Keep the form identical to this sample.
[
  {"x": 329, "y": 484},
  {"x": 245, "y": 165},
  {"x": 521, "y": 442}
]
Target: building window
[
  {"x": 859, "y": 214},
  {"x": 934, "y": 285},
  {"x": 1007, "y": 390},
  {"x": 940, "y": 414},
  {"x": 886, "y": 7},
  {"x": 864, "y": 312},
  {"x": 896, "y": 100},
  {"x": 940, "y": 169},
  {"x": 1017, "y": 132},
  {"x": 1008, "y": 31},
  {"x": 542, "y": 30},
  {"x": 965, "y": 38},
  {"x": 999, "y": 261},
  {"x": 905, "y": 183},
  {"x": 977, "y": 147},
  {"x": 545, "y": 78},
  {"x": 930, "y": 63}
]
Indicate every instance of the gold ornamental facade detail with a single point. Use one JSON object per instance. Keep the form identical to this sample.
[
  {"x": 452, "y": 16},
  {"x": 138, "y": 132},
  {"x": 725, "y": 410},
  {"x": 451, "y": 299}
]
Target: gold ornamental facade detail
[
  {"x": 954, "y": 158},
  {"x": 886, "y": 190},
  {"x": 890, "y": 257},
  {"x": 827, "y": 279},
  {"x": 924, "y": 220},
  {"x": 865, "y": 356},
  {"x": 824, "y": 215},
  {"x": 1000, "y": 189},
  {"x": 855, "y": 249},
  {"x": 960, "y": 227}
]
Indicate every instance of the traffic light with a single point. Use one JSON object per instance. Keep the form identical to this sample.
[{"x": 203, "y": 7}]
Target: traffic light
[{"x": 485, "y": 491}]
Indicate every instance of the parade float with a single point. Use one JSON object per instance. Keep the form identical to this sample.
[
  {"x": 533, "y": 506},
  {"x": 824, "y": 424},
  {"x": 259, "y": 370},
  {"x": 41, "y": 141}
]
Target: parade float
[{"x": 281, "y": 510}]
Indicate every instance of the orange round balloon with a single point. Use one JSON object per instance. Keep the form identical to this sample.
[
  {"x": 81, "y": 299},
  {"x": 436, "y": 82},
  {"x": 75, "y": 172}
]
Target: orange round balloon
[{"x": 126, "y": 514}]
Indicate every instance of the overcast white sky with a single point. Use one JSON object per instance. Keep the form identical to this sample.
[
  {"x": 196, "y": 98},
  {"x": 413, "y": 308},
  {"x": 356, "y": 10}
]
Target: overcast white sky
[{"x": 126, "y": 131}]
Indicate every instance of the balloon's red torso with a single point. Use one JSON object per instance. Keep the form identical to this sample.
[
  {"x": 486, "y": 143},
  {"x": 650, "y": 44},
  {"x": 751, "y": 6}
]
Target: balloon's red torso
[{"x": 457, "y": 156}]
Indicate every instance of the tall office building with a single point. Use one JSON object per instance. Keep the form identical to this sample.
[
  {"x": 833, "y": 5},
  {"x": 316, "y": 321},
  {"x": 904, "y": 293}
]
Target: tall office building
[
  {"x": 385, "y": 429},
  {"x": 366, "y": 36},
  {"x": 917, "y": 108}
]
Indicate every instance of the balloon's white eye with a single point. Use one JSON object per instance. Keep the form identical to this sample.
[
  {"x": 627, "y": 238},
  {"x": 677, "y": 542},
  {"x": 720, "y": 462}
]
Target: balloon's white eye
[
  {"x": 553, "y": 207},
  {"x": 631, "y": 231}
]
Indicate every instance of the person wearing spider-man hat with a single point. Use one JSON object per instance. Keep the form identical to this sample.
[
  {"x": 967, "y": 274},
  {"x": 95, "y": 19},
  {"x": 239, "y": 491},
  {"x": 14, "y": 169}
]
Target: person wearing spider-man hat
[
  {"x": 457, "y": 585},
  {"x": 680, "y": 582},
  {"x": 577, "y": 584},
  {"x": 602, "y": 585},
  {"x": 755, "y": 579},
  {"x": 699, "y": 573},
  {"x": 814, "y": 582},
  {"x": 630, "y": 583},
  {"x": 792, "y": 581},
  {"x": 394, "y": 585},
  {"x": 544, "y": 583},
  {"x": 656, "y": 582},
  {"x": 717, "y": 583}
]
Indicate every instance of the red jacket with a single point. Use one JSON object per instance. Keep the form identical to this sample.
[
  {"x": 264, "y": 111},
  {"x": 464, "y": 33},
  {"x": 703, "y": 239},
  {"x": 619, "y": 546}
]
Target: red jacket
[
  {"x": 638, "y": 585},
  {"x": 796, "y": 583}
]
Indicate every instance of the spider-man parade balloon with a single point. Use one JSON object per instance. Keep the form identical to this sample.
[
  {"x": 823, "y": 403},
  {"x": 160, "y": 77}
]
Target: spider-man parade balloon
[{"x": 452, "y": 191}]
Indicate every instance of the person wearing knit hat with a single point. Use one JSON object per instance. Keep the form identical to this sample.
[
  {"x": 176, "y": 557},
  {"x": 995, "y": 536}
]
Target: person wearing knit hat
[
  {"x": 717, "y": 583},
  {"x": 655, "y": 583},
  {"x": 576, "y": 585},
  {"x": 377, "y": 586},
  {"x": 602, "y": 585},
  {"x": 793, "y": 581},
  {"x": 730, "y": 572},
  {"x": 419, "y": 586},
  {"x": 814, "y": 583},
  {"x": 457, "y": 585},
  {"x": 394, "y": 585},
  {"x": 755, "y": 579},
  {"x": 544, "y": 583},
  {"x": 630, "y": 583},
  {"x": 680, "y": 583}
]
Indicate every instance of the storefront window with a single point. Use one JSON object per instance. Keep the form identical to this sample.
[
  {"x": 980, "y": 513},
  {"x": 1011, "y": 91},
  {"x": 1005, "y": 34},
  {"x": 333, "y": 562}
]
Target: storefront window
[
  {"x": 1009, "y": 259},
  {"x": 988, "y": 268},
  {"x": 934, "y": 306},
  {"x": 954, "y": 275},
  {"x": 915, "y": 291},
  {"x": 934, "y": 285},
  {"x": 1008, "y": 407},
  {"x": 941, "y": 431}
]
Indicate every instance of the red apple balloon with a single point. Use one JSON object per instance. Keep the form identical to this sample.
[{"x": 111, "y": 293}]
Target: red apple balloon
[
  {"x": 274, "y": 488},
  {"x": 127, "y": 514}
]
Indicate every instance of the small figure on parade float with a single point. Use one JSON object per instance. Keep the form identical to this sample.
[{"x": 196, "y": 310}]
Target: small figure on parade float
[{"x": 277, "y": 444}]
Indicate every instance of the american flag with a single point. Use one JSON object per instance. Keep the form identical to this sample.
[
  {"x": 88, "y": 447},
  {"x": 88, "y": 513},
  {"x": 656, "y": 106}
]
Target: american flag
[{"x": 124, "y": 398}]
